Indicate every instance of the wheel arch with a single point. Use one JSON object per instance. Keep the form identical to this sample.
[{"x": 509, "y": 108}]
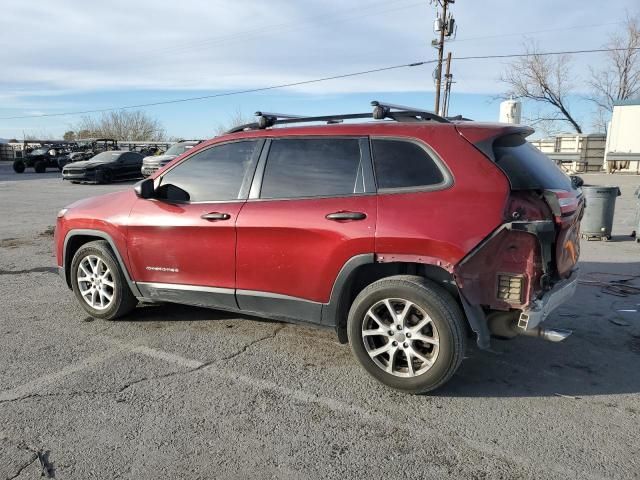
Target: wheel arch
[
  {"x": 362, "y": 270},
  {"x": 77, "y": 238}
]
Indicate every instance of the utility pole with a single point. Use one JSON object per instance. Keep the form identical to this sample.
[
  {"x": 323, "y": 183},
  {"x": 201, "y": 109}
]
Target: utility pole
[
  {"x": 448, "y": 80},
  {"x": 445, "y": 27}
]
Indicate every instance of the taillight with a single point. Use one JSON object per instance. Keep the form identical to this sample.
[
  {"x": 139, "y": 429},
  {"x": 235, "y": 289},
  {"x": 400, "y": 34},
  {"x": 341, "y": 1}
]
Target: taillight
[{"x": 562, "y": 203}]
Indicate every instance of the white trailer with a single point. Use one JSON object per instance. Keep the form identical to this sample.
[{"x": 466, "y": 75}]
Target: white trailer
[{"x": 622, "y": 152}]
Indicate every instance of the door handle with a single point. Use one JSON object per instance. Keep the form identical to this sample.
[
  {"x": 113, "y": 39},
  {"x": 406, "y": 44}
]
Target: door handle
[
  {"x": 213, "y": 216},
  {"x": 337, "y": 216}
]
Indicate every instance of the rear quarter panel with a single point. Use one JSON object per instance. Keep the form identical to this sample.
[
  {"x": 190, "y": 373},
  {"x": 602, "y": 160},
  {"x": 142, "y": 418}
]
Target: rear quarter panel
[{"x": 441, "y": 227}]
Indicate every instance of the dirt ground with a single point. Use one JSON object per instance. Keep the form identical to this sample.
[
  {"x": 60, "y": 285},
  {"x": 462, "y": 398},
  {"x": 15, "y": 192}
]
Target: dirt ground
[{"x": 182, "y": 392}]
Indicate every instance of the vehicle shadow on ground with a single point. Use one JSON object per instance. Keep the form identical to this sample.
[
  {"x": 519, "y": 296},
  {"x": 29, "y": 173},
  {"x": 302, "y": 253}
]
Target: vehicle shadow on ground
[
  {"x": 171, "y": 312},
  {"x": 601, "y": 357}
]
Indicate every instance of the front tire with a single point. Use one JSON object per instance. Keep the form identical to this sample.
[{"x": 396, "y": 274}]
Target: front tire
[
  {"x": 106, "y": 176},
  {"x": 407, "y": 332},
  {"x": 99, "y": 283}
]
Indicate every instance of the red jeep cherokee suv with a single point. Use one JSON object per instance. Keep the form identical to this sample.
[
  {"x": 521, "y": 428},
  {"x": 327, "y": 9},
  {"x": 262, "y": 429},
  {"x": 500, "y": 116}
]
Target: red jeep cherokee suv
[{"x": 407, "y": 235}]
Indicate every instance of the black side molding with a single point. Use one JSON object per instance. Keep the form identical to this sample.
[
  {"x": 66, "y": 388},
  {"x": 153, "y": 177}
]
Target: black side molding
[{"x": 331, "y": 310}]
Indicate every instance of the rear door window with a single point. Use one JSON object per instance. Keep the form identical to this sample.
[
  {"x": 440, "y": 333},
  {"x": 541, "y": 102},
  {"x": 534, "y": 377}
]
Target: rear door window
[
  {"x": 403, "y": 164},
  {"x": 317, "y": 167},
  {"x": 527, "y": 167}
]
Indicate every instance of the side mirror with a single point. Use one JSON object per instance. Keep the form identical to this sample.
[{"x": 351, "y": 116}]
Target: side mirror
[
  {"x": 144, "y": 189},
  {"x": 172, "y": 193}
]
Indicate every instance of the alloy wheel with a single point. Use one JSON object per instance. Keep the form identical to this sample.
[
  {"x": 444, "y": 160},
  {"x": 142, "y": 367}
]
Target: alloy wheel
[
  {"x": 95, "y": 282},
  {"x": 400, "y": 337}
]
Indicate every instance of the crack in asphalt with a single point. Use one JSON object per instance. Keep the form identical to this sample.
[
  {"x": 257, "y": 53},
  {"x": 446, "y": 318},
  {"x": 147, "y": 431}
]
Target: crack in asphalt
[
  {"x": 34, "y": 457},
  {"x": 277, "y": 330},
  {"x": 47, "y": 468},
  {"x": 204, "y": 365},
  {"x": 30, "y": 270},
  {"x": 57, "y": 394}
]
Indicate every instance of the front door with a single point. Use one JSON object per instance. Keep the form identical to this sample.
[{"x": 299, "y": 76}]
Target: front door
[{"x": 184, "y": 248}]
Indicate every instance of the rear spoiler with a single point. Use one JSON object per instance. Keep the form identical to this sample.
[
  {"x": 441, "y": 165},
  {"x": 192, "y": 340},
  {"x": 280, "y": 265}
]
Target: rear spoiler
[{"x": 483, "y": 136}]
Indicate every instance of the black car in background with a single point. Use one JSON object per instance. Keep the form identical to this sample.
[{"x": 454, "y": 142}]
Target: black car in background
[
  {"x": 106, "y": 167},
  {"x": 74, "y": 157}
]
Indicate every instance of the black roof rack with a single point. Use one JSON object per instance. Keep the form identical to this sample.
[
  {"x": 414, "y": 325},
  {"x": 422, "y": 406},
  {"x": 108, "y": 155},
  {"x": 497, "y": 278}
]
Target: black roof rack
[{"x": 381, "y": 111}]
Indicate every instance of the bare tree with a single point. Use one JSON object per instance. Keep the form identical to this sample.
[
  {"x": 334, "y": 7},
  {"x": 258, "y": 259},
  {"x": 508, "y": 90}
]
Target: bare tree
[
  {"x": 69, "y": 136},
  {"x": 619, "y": 79},
  {"x": 41, "y": 135},
  {"x": 122, "y": 125},
  {"x": 236, "y": 119},
  {"x": 543, "y": 79}
]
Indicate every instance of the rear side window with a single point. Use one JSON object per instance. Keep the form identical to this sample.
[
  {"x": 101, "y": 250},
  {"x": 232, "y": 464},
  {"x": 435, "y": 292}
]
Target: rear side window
[
  {"x": 214, "y": 174},
  {"x": 131, "y": 158},
  {"x": 312, "y": 168},
  {"x": 404, "y": 164},
  {"x": 527, "y": 167}
]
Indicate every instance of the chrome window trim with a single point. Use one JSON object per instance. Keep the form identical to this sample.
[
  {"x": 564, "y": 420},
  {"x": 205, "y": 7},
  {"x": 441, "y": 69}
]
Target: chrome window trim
[{"x": 448, "y": 179}]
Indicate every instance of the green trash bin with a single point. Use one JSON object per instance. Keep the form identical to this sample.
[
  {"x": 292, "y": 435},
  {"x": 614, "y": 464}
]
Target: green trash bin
[{"x": 597, "y": 222}]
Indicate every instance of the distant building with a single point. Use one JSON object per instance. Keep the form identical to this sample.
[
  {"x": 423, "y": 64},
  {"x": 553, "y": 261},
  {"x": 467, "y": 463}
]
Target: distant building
[
  {"x": 623, "y": 138},
  {"x": 575, "y": 153}
]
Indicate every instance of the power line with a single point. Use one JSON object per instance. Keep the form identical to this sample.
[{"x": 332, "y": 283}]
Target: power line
[
  {"x": 316, "y": 80},
  {"x": 545, "y": 54},
  {"x": 225, "y": 94}
]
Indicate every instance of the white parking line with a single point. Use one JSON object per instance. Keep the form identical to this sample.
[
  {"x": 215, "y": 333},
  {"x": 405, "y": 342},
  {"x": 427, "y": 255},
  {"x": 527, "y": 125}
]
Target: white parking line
[{"x": 167, "y": 357}]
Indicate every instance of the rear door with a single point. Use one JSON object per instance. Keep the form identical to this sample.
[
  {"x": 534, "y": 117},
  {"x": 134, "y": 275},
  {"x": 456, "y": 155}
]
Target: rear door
[
  {"x": 130, "y": 164},
  {"x": 312, "y": 207},
  {"x": 183, "y": 248}
]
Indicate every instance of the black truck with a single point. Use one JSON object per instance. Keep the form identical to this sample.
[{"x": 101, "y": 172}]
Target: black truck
[{"x": 43, "y": 157}]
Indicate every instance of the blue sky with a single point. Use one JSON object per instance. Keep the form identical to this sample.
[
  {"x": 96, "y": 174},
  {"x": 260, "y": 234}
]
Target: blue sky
[{"x": 92, "y": 56}]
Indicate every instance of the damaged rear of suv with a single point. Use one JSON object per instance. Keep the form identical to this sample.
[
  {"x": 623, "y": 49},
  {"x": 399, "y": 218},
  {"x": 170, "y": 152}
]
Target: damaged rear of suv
[
  {"x": 526, "y": 267},
  {"x": 408, "y": 235}
]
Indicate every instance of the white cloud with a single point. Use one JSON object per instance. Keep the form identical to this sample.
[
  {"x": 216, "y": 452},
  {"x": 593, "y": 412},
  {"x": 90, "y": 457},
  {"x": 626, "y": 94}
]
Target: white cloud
[{"x": 63, "y": 46}]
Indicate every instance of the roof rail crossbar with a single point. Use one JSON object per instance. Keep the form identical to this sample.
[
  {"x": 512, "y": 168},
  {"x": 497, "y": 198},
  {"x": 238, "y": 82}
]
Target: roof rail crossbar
[
  {"x": 384, "y": 110},
  {"x": 322, "y": 118},
  {"x": 277, "y": 115},
  {"x": 381, "y": 111},
  {"x": 268, "y": 119}
]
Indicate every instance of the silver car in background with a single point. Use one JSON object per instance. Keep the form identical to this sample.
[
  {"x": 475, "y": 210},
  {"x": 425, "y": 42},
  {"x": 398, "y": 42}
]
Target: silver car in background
[{"x": 153, "y": 163}]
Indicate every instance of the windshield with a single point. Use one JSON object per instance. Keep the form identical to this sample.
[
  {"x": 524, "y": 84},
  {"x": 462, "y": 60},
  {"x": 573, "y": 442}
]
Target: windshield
[
  {"x": 106, "y": 157},
  {"x": 40, "y": 151},
  {"x": 178, "y": 149}
]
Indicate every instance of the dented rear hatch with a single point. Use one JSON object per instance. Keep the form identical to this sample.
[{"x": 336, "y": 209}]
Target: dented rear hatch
[{"x": 543, "y": 204}]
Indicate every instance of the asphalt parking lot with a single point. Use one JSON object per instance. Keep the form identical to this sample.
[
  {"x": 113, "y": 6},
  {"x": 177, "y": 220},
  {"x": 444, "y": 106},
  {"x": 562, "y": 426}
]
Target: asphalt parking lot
[{"x": 182, "y": 392}]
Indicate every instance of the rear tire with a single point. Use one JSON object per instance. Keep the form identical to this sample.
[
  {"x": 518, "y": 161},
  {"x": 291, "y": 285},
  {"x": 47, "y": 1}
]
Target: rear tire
[
  {"x": 425, "y": 334},
  {"x": 18, "y": 166},
  {"x": 107, "y": 177},
  {"x": 40, "y": 167},
  {"x": 99, "y": 283}
]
